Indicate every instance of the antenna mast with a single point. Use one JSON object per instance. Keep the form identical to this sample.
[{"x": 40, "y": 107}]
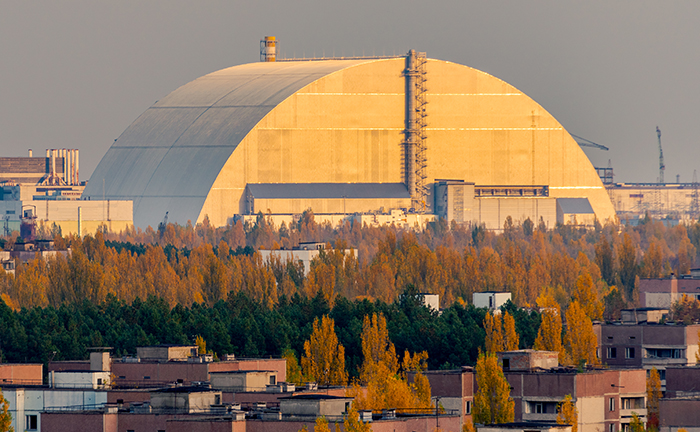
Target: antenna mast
[{"x": 662, "y": 167}]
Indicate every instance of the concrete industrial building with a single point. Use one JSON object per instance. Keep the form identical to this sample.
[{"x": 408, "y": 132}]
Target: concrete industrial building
[
  {"x": 347, "y": 136},
  {"x": 46, "y": 191}
]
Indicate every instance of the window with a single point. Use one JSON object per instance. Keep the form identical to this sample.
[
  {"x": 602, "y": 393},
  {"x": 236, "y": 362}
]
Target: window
[
  {"x": 468, "y": 407},
  {"x": 506, "y": 363},
  {"x": 31, "y": 422},
  {"x": 539, "y": 408},
  {"x": 273, "y": 380},
  {"x": 146, "y": 377},
  {"x": 217, "y": 399},
  {"x": 611, "y": 428},
  {"x": 629, "y": 353},
  {"x": 612, "y": 404},
  {"x": 612, "y": 352},
  {"x": 99, "y": 381}
]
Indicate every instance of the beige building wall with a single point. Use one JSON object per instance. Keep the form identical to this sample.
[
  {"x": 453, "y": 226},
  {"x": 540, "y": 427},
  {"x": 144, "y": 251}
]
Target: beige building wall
[
  {"x": 593, "y": 410},
  {"x": 348, "y": 127}
]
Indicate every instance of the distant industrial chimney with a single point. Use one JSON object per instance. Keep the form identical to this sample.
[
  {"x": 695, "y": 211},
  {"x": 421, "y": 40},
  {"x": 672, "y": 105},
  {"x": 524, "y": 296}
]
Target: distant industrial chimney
[{"x": 268, "y": 49}]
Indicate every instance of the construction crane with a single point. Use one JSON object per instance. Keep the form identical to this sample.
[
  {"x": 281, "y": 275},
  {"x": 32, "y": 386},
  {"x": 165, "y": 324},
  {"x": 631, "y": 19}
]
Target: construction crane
[
  {"x": 662, "y": 167},
  {"x": 583, "y": 142}
]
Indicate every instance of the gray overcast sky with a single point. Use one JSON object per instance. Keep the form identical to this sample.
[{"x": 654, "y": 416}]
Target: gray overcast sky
[{"x": 76, "y": 73}]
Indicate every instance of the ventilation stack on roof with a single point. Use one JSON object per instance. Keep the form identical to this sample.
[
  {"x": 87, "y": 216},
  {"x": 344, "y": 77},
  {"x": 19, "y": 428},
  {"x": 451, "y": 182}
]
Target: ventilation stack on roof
[{"x": 268, "y": 49}]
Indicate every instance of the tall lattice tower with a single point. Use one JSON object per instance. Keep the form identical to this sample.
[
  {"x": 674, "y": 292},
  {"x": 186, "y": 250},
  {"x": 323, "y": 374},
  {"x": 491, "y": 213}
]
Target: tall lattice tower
[
  {"x": 415, "y": 141},
  {"x": 694, "y": 200},
  {"x": 422, "y": 192}
]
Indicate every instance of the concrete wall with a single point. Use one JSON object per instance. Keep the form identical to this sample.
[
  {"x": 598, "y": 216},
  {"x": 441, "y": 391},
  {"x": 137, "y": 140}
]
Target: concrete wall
[
  {"x": 492, "y": 212},
  {"x": 86, "y": 379},
  {"x": 677, "y": 413}
]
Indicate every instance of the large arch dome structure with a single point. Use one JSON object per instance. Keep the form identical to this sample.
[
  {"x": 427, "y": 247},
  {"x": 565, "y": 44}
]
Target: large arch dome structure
[{"x": 200, "y": 150}]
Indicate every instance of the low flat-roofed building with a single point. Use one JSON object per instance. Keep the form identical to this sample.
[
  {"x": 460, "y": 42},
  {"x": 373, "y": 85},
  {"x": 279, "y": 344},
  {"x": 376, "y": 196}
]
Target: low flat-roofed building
[
  {"x": 643, "y": 315},
  {"x": 80, "y": 379},
  {"x": 304, "y": 253},
  {"x": 166, "y": 353},
  {"x": 648, "y": 345},
  {"x": 526, "y": 360},
  {"x": 315, "y": 405},
  {"x": 663, "y": 292},
  {"x": 575, "y": 211},
  {"x": 243, "y": 381},
  {"x": 492, "y": 300},
  {"x": 679, "y": 412},
  {"x": 524, "y": 427},
  {"x": 185, "y": 399}
]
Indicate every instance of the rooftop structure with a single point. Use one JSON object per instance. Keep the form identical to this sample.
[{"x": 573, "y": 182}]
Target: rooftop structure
[{"x": 236, "y": 141}]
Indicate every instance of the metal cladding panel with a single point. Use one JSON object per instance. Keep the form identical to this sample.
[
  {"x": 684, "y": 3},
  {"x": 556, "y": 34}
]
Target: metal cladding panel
[
  {"x": 149, "y": 210},
  {"x": 186, "y": 172},
  {"x": 158, "y": 127},
  {"x": 128, "y": 172},
  {"x": 221, "y": 127},
  {"x": 168, "y": 159}
]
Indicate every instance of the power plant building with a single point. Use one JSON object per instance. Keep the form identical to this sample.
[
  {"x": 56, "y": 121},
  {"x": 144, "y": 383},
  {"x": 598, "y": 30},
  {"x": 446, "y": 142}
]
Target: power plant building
[
  {"x": 350, "y": 136},
  {"x": 46, "y": 192}
]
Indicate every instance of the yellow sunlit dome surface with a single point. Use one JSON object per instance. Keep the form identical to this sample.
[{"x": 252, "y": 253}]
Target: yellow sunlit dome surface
[{"x": 329, "y": 122}]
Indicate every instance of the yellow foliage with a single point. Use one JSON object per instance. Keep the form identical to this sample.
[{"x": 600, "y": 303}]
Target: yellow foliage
[
  {"x": 386, "y": 387},
  {"x": 468, "y": 426},
  {"x": 511, "y": 340},
  {"x": 353, "y": 423},
  {"x": 587, "y": 296},
  {"x": 549, "y": 334},
  {"x": 324, "y": 356},
  {"x": 500, "y": 333},
  {"x": 294, "y": 374},
  {"x": 5, "y": 416},
  {"x": 653, "y": 396},
  {"x": 321, "y": 425},
  {"x": 494, "y": 333},
  {"x": 378, "y": 351},
  {"x": 492, "y": 402},
  {"x": 568, "y": 414},
  {"x": 201, "y": 344},
  {"x": 580, "y": 341}
]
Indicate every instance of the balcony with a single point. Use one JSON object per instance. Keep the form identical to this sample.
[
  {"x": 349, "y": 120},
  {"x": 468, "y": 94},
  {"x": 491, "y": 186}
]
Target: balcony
[
  {"x": 539, "y": 417},
  {"x": 641, "y": 412}
]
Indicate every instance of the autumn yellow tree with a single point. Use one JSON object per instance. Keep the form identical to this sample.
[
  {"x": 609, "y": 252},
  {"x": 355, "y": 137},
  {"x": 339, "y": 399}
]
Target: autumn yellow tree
[
  {"x": 492, "y": 401},
  {"x": 511, "y": 340},
  {"x": 653, "y": 396},
  {"x": 587, "y": 296},
  {"x": 580, "y": 341},
  {"x": 5, "y": 416},
  {"x": 494, "y": 333},
  {"x": 201, "y": 344},
  {"x": 568, "y": 414},
  {"x": 387, "y": 386},
  {"x": 294, "y": 374},
  {"x": 324, "y": 356},
  {"x": 321, "y": 425},
  {"x": 353, "y": 423},
  {"x": 549, "y": 334}
]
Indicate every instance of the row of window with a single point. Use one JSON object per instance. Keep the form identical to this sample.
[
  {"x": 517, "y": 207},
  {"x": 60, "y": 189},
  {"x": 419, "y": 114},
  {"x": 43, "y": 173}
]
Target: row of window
[
  {"x": 629, "y": 352},
  {"x": 650, "y": 353}
]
